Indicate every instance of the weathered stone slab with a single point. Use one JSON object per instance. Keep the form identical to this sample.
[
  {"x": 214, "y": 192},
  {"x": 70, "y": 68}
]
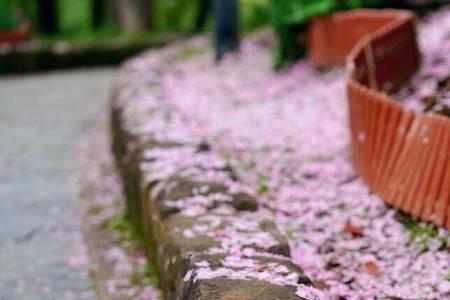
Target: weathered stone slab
[
  {"x": 244, "y": 275},
  {"x": 251, "y": 261},
  {"x": 187, "y": 196},
  {"x": 180, "y": 237},
  {"x": 230, "y": 232},
  {"x": 228, "y": 289},
  {"x": 177, "y": 194}
]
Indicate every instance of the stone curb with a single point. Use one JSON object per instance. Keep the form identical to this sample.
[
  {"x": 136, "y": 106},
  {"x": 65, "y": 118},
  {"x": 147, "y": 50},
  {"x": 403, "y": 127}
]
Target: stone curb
[{"x": 208, "y": 241}]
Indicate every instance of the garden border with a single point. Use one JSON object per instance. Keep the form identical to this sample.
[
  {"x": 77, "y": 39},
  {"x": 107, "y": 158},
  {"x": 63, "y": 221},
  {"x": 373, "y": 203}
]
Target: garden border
[{"x": 404, "y": 156}]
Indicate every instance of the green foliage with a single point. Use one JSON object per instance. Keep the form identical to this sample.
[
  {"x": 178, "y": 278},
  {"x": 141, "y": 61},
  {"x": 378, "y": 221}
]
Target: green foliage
[
  {"x": 74, "y": 17},
  {"x": 7, "y": 20},
  {"x": 178, "y": 15},
  {"x": 254, "y": 14},
  {"x": 290, "y": 17},
  {"x": 294, "y": 12},
  {"x": 174, "y": 15}
]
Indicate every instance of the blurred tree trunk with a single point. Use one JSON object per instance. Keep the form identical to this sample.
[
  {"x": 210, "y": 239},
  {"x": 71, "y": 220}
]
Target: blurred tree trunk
[
  {"x": 48, "y": 16},
  {"x": 204, "y": 8},
  {"x": 134, "y": 15},
  {"x": 98, "y": 13}
]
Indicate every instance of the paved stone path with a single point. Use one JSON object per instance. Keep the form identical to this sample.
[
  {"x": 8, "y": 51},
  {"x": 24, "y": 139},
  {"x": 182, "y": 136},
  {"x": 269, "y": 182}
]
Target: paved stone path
[{"x": 41, "y": 120}]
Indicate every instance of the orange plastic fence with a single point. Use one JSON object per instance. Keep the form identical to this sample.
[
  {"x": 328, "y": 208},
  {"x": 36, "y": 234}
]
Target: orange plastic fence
[{"x": 403, "y": 156}]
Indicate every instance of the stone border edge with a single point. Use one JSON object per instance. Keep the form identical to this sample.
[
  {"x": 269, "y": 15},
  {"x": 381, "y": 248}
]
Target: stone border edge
[{"x": 177, "y": 257}]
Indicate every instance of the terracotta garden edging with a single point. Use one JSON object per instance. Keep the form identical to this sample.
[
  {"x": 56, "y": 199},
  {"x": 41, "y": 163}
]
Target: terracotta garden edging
[
  {"x": 195, "y": 254},
  {"x": 402, "y": 155}
]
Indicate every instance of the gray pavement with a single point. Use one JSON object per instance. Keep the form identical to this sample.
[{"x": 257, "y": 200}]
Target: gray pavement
[{"x": 42, "y": 118}]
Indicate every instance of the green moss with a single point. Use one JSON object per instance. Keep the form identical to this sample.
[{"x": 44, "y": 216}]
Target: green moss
[
  {"x": 148, "y": 276},
  {"x": 135, "y": 279},
  {"x": 263, "y": 188},
  {"x": 122, "y": 225},
  {"x": 151, "y": 273},
  {"x": 422, "y": 233},
  {"x": 95, "y": 210},
  {"x": 126, "y": 230}
]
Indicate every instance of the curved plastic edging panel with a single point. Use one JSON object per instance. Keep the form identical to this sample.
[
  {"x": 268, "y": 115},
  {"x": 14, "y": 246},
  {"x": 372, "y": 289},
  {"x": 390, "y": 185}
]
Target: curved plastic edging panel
[{"x": 402, "y": 155}]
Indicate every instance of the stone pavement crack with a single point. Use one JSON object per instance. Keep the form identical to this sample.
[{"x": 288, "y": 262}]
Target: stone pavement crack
[{"x": 27, "y": 236}]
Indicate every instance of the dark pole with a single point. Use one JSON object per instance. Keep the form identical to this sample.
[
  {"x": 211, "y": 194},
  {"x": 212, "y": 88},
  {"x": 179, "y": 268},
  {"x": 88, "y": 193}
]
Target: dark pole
[
  {"x": 226, "y": 37},
  {"x": 48, "y": 16}
]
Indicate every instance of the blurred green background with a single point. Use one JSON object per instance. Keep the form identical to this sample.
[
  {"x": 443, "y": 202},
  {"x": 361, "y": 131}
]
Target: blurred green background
[
  {"x": 74, "y": 18},
  {"x": 153, "y": 20}
]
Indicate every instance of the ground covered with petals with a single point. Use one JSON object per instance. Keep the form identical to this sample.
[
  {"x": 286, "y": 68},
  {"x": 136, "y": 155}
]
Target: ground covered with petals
[{"x": 285, "y": 136}]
